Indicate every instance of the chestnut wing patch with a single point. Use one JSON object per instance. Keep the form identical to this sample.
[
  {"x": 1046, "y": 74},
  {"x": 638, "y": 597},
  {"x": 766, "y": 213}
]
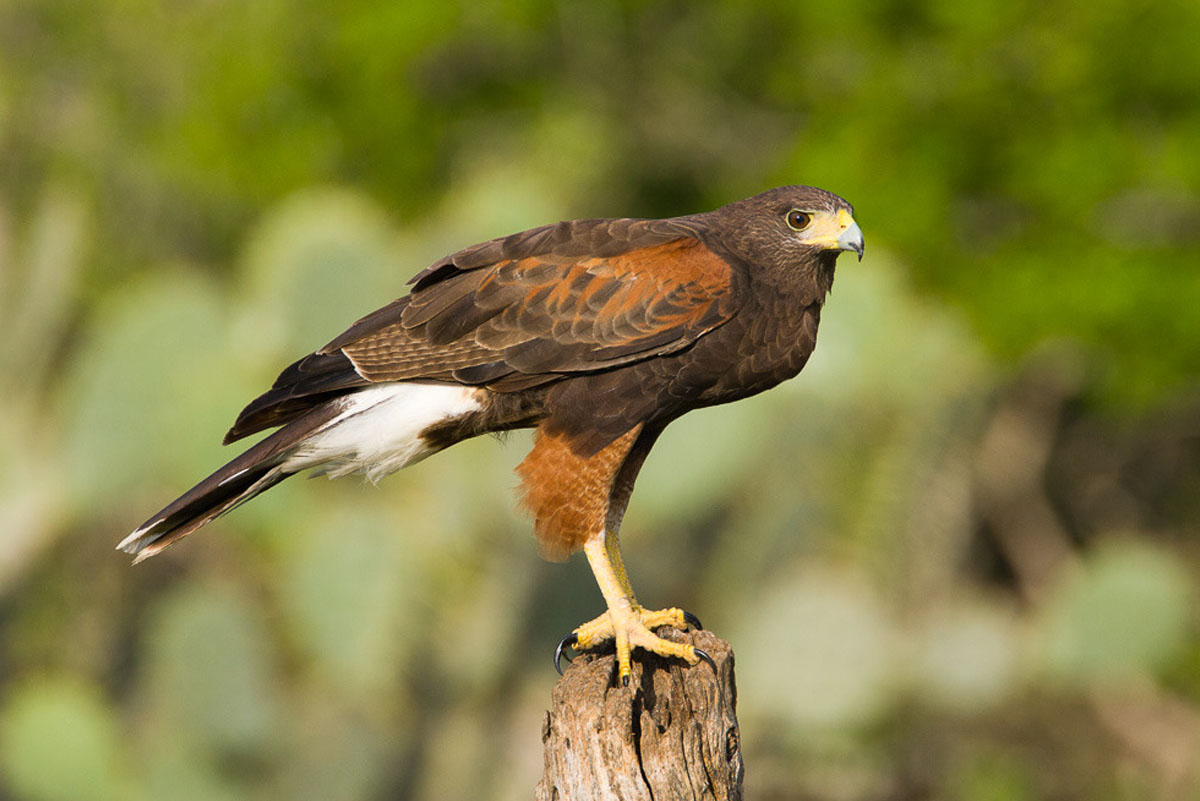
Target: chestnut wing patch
[{"x": 524, "y": 321}]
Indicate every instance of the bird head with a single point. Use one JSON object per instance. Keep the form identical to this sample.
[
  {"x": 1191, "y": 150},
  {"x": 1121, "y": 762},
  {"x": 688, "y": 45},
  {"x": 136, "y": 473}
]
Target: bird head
[{"x": 789, "y": 226}]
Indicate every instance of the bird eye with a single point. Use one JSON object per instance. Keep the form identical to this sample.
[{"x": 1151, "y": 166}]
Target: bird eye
[{"x": 798, "y": 220}]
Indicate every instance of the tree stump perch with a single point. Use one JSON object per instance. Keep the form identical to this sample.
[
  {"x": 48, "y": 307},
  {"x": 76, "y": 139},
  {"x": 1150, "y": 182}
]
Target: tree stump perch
[{"x": 671, "y": 734}]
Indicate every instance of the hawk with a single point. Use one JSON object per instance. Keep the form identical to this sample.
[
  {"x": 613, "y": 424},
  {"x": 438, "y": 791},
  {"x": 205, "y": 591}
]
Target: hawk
[{"x": 597, "y": 333}]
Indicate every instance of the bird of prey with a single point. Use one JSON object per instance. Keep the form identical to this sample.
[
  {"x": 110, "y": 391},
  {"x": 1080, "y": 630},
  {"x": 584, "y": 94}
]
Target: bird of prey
[{"x": 598, "y": 333}]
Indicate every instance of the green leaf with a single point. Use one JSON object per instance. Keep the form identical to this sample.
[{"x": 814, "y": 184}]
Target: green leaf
[
  {"x": 348, "y": 590},
  {"x": 59, "y": 742},
  {"x": 817, "y": 651},
  {"x": 1125, "y": 611},
  {"x": 150, "y": 391},
  {"x": 211, "y": 672},
  {"x": 320, "y": 260}
]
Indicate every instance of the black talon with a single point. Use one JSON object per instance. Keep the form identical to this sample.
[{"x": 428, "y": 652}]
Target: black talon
[
  {"x": 704, "y": 655},
  {"x": 569, "y": 640},
  {"x": 692, "y": 620}
]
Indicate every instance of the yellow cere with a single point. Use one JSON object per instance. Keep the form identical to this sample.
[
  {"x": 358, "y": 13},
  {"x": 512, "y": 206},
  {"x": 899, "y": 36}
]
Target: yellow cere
[{"x": 825, "y": 228}]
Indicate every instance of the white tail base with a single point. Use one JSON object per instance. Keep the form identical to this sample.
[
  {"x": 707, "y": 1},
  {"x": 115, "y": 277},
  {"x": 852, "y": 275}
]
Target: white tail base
[{"x": 379, "y": 429}]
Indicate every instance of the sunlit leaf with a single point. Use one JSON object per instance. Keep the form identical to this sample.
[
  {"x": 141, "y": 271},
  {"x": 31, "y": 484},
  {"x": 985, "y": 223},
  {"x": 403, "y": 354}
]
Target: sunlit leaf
[
  {"x": 967, "y": 656},
  {"x": 211, "y": 677},
  {"x": 352, "y": 598},
  {"x": 319, "y": 261},
  {"x": 150, "y": 391},
  {"x": 59, "y": 742},
  {"x": 1125, "y": 611},
  {"x": 817, "y": 650}
]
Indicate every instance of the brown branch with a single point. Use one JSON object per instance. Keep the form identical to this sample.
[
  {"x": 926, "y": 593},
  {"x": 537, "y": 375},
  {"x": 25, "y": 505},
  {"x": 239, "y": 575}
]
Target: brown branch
[{"x": 671, "y": 734}]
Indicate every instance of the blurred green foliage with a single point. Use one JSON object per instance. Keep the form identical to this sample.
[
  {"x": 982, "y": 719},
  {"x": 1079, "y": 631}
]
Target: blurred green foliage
[
  {"x": 956, "y": 558},
  {"x": 1039, "y": 157},
  {"x": 61, "y": 742}
]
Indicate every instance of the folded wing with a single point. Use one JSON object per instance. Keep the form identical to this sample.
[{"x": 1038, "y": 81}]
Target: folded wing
[{"x": 521, "y": 312}]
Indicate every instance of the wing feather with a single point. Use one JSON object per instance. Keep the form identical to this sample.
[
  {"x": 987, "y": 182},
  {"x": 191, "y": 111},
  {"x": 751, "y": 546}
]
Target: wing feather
[{"x": 524, "y": 311}]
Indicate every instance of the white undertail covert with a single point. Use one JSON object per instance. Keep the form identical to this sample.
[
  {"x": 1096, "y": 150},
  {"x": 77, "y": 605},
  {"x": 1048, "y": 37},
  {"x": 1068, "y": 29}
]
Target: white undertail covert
[{"x": 379, "y": 429}]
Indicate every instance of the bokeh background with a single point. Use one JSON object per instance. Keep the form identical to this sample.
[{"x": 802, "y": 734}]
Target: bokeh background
[{"x": 957, "y": 557}]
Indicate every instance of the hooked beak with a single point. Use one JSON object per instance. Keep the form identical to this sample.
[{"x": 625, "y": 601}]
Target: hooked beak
[{"x": 851, "y": 237}]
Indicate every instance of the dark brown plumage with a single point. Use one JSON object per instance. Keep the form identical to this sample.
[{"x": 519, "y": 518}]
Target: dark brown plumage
[{"x": 597, "y": 332}]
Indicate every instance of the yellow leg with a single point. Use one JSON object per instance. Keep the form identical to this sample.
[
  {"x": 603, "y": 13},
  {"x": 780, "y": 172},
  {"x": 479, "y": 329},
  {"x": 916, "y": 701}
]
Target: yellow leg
[
  {"x": 612, "y": 547},
  {"x": 626, "y": 621},
  {"x": 673, "y": 617}
]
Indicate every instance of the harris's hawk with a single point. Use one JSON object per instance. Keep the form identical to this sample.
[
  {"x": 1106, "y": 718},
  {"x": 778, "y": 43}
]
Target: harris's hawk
[{"x": 598, "y": 333}]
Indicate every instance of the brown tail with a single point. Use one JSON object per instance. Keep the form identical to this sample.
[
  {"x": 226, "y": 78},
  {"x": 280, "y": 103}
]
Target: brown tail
[{"x": 254, "y": 471}]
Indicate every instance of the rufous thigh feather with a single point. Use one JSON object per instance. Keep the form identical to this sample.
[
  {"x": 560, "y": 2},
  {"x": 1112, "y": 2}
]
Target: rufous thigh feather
[{"x": 567, "y": 494}]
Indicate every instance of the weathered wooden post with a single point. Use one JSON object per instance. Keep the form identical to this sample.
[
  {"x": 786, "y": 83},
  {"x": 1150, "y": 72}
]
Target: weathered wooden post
[{"x": 672, "y": 734}]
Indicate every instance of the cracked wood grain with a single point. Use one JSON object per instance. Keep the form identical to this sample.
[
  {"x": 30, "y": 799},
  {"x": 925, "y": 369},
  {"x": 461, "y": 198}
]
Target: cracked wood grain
[{"x": 671, "y": 735}]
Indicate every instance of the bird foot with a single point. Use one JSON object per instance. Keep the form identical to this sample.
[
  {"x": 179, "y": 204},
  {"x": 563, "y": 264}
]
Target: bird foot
[{"x": 632, "y": 627}]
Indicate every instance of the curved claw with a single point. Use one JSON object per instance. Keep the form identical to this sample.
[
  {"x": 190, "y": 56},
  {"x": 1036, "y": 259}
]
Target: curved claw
[
  {"x": 692, "y": 620},
  {"x": 704, "y": 655},
  {"x": 568, "y": 641}
]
